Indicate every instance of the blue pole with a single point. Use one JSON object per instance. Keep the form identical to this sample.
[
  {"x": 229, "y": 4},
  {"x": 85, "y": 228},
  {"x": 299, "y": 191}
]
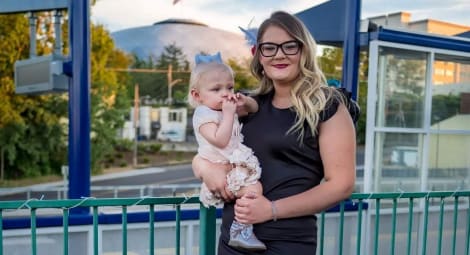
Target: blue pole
[
  {"x": 351, "y": 46},
  {"x": 79, "y": 103}
]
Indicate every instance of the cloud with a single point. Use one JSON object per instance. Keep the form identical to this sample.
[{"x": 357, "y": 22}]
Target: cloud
[
  {"x": 454, "y": 11},
  {"x": 223, "y": 14},
  {"x": 229, "y": 14}
]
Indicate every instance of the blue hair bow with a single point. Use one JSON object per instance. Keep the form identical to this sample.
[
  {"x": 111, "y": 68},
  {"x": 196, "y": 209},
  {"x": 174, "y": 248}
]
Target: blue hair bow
[
  {"x": 250, "y": 35},
  {"x": 208, "y": 58}
]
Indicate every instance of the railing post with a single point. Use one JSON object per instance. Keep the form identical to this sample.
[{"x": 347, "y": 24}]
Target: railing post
[{"x": 207, "y": 230}]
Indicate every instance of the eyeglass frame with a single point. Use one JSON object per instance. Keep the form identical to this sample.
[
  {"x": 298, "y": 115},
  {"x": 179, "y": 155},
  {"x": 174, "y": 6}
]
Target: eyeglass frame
[{"x": 280, "y": 46}]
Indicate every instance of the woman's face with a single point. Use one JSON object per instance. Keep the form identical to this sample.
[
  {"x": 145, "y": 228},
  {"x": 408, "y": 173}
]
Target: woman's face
[{"x": 284, "y": 66}]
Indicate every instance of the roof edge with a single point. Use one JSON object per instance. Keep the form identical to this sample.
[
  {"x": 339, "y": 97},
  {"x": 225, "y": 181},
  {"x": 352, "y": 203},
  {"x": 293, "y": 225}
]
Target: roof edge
[{"x": 180, "y": 21}]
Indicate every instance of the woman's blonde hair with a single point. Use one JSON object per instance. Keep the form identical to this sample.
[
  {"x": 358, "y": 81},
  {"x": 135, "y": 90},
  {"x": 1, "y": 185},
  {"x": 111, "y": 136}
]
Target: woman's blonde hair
[
  {"x": 309, "y": 94},
  {"x": 198, "y": 72}
]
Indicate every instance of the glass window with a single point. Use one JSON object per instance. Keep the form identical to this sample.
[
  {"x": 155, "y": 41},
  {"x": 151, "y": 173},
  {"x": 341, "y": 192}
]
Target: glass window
[
  {"x": 401, "y": 87},
  {"x": 451, "y": 93},
  {"x": 397, "y": 162},
  {"x": 449, "y": 162},
  {"x": 175, "y": 117},
  {"x": 421, "y": 138}
]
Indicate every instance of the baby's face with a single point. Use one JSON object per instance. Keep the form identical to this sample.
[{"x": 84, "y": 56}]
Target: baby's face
[{"x": 214, "y": 87}]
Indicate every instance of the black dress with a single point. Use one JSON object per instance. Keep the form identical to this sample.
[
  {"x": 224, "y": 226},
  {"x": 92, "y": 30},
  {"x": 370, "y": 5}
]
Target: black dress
[{"x": 288, "y": 168}]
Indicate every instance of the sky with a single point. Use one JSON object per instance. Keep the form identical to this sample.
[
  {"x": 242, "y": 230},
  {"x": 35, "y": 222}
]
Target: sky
[{"x": 229, "y": 14}]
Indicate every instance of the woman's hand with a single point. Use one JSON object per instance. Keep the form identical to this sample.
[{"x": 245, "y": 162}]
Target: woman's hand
[
  {"x": 253, "y": 208},
  {"x": 214, "y": 176},
  {"x": 245, "y": 104}
]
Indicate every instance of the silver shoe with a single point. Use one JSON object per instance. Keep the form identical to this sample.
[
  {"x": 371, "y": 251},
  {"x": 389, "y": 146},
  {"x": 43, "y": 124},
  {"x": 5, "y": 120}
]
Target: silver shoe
[{"x": 242, "y": 236}]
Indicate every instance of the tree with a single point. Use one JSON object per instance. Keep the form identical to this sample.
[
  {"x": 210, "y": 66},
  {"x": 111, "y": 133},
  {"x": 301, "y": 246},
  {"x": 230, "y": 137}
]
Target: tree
[
  {"x": 32, "y": 138},
  {"x": 109, "y": 98},
  {"x": 33, "y": 129},
  {"x": 173, "y": 55},
  {"x": 154, "y": 81},
  {"x": 243, "y": 78},
  {"x": 331, "y": 64}
]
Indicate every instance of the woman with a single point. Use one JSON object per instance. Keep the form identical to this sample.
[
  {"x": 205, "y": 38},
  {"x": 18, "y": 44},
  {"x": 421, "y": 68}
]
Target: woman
[{"x": 304, "y": 138}]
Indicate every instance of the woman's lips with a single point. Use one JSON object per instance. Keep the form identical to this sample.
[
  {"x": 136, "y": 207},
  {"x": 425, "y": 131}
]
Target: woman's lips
[{"x": 280, "y": 66}]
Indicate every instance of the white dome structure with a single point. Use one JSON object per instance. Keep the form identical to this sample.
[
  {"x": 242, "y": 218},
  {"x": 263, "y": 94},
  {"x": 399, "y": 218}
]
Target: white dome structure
[{"x": 191, "y": 36}]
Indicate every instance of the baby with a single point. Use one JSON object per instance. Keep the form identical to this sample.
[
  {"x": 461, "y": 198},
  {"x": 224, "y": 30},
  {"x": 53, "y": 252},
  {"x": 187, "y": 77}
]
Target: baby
[{"x": 219, "y": 139}]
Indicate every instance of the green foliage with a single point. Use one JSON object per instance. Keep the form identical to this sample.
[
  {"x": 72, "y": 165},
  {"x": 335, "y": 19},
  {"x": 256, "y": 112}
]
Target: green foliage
[
  {"x": 331, "y": 64},
  {"x": 444, "y": 106},
  {"x": 31, "y": 134},
  {"x": 173, "y": 55},
  {"x": 156, "y": 147},
  {"x": 123, "y": 144},
  {"x": 361, "y": 123},
  {"x": 153, "y": 80},
  {"x": 33, "y": 129},
  {"x": 109, "y": 97},
  {"x": 243, "y": 78},
  {"x": 145, "y": 160},
  {"x": 14, "y": 42}
]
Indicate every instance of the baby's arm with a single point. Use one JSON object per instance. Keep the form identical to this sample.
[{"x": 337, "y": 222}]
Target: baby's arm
[
  {"x": 219, "y": 134},
  {"x": 245, "y": 104}
]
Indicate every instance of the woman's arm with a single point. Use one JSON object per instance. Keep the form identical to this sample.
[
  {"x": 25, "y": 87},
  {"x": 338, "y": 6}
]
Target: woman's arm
[
  {"x": 337, "y": 140},
  {"x": 213, "y": 175}
]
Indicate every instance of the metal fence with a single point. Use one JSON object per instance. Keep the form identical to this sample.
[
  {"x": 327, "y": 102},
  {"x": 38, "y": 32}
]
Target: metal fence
[{"x": 434, "y": 223}]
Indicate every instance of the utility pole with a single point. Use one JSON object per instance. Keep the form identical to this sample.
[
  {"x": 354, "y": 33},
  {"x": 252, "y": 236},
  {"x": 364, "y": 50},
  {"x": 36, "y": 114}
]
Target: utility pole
[
  {"x": 136, "y": 122},
  {"x": 171, "y": 83},
  {"x": 168, "y": 71}
]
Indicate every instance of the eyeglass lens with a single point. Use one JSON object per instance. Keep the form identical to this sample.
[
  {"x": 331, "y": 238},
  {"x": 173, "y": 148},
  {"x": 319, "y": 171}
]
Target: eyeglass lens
[{"x": 288, "y": 48}]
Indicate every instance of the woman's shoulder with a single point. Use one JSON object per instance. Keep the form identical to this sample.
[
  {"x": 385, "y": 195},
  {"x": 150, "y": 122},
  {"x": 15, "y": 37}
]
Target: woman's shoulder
[
  {"x": 335, "y": 97},
  {"x": 265, "y": 97}
]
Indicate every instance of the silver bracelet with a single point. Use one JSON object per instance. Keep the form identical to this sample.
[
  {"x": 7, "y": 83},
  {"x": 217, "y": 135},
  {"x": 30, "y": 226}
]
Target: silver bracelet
[{"x": 274, "y": 210}]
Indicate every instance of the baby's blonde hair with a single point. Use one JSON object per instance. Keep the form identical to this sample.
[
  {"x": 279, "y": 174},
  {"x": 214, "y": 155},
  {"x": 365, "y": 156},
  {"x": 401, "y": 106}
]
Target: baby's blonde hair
[{"x": 197, "y": 73}]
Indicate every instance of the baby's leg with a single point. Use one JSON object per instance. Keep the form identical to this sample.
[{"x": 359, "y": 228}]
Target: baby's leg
[{"x": 241, "y": 235}]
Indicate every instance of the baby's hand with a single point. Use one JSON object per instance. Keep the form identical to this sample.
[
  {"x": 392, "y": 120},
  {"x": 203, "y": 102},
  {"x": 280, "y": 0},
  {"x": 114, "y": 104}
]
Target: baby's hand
[{"x": 229, "y": 106}]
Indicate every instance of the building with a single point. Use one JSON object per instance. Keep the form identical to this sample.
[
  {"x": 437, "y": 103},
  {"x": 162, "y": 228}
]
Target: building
[
  {"x": 444, "y": 72},
  {"x": 163, "y": 123},
  {"x": 403, "y": 20},
  {"x": 417, "y": 134},
  {"x": 191, "y": 36}
]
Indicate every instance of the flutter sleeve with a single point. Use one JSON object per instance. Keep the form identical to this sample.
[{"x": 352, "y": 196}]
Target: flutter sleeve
[
  {"x": 331, "y": 107},
  {"x": 339, "y": 96},
  {"x": 203, "y": 115}
]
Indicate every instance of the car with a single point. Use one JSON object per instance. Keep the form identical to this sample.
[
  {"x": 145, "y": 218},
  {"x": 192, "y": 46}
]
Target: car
[{"x": 170, "y": 136}]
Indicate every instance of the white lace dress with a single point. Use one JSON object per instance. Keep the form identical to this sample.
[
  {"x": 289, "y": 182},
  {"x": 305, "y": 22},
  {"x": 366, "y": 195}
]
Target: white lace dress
[{"x": 246, "y": 170}]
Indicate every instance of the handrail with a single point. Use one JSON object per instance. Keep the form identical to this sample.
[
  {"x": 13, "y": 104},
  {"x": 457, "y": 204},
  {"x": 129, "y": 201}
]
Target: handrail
[
  {"x": 368, "y": 209},
  {"x": 206, "y": 218}
]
